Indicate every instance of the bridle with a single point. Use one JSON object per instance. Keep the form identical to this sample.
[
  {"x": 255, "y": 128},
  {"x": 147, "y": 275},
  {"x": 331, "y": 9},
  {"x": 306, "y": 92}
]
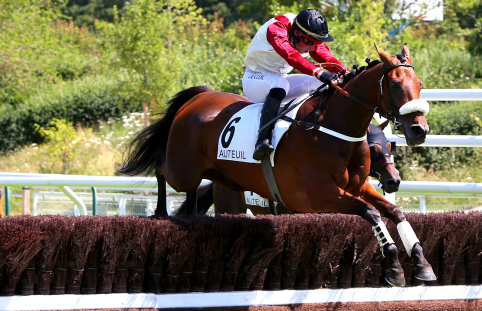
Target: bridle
[
  {"x": 375, "y": 173},
  {"x": 392, "y": 114},
  {"x": 391, "y": 108}
]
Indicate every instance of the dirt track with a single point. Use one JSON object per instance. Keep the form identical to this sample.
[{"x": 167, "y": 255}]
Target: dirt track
[{"x": 441, "y": 305}]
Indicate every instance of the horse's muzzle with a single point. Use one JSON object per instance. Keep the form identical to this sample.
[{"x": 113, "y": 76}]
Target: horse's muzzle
[
  {"x": 391, "y": 185},
  {"x": 416, "y": 134}
]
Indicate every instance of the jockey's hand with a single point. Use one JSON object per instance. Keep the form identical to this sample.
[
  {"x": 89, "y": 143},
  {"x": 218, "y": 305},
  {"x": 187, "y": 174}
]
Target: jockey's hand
[{"x": 327, "y": 77}]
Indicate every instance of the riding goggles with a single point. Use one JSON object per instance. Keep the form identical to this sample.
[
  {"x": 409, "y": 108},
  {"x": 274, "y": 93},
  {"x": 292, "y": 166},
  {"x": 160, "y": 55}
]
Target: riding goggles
[{"x": 308, "y": 41}]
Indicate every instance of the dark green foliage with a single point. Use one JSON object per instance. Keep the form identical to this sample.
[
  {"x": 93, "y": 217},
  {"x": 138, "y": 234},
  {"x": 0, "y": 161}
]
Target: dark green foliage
[
  {"x": 232, "y": 11},
  {"x": 460, "y": 118},
  {"x": 87, "y": 104},
  {"x": 85, "y": 13}
]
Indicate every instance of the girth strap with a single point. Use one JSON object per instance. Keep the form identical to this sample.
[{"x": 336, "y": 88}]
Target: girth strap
[{"x": 272, "y": 185}]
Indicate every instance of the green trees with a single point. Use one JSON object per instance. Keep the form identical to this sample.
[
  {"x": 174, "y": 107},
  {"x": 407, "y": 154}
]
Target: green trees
[
  {"x": 146, "y": 51},
  {"x": 142, "y": 39},
  {"x": 166, "y": 46}
]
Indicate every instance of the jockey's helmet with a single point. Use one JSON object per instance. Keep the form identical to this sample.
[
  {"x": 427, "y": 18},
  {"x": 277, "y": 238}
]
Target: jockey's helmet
[{"x": 313, "y": 24}]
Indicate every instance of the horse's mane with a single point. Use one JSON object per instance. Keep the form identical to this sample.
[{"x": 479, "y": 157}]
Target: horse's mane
[
  {"x": 370, "y": 64},
  {"x": 357, "y": 70}
]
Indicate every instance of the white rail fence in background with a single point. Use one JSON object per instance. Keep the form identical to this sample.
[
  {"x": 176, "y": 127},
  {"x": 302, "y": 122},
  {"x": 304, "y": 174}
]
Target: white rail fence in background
[{"x": 420, "y": 189}]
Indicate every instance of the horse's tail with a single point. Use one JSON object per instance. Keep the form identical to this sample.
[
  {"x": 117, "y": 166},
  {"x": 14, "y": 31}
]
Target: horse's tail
[
  {"x": 204, "y": 201},
  {"x": 141, "y": 151}
]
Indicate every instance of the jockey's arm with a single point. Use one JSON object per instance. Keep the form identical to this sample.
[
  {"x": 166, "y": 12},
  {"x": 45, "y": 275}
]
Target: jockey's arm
[
  {"x": 277, "y": 36},
  {"x": 322, "y": 54}
]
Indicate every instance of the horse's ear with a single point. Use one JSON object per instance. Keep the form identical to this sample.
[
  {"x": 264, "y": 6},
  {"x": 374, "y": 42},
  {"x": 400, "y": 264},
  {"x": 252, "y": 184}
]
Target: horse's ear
[
  {"x": 383, "y": 125},
  {"x": 386, "y": 59},
  {"x": 393, "y": 147},
  {"x": 406, "y": 53}
]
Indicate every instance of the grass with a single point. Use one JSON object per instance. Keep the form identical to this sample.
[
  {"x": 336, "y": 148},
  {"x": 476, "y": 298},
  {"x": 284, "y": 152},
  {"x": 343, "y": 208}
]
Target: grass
[{"x": 98, "y": 154}]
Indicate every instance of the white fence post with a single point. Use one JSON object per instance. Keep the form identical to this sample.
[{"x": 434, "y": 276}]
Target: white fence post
[{"x": 423, "y": 208}]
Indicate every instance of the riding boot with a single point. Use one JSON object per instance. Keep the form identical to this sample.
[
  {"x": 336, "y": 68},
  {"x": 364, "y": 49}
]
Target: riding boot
[{"x": 268, "y": 112}]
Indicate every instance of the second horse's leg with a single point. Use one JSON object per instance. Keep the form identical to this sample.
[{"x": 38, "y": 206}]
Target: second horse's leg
[{"x": 191, "y": 200}]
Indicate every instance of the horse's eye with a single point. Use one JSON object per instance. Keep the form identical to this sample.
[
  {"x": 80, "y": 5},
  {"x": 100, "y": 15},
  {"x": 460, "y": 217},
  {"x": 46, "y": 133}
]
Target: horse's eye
[{"x": 396, "y": 84}]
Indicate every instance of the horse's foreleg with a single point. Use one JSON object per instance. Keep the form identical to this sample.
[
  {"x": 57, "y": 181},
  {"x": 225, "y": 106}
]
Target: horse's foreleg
[
  {"x": 423, "y": 270},
  {"x": 332, "y": 198}
]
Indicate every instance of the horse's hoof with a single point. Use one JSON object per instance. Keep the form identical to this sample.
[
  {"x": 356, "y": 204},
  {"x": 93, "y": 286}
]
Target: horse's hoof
[
  {"x": 396, "y": 280},
  {"x": 424, "y": 273},
  {"x": 395, "y": 277}
]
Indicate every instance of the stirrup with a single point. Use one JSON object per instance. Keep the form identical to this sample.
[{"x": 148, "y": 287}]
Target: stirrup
[{"x": 262, "y": 150}]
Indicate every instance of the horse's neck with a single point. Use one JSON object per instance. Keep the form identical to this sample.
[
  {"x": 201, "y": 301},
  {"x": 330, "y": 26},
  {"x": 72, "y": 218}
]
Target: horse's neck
[{"x": 345, "y": 115}]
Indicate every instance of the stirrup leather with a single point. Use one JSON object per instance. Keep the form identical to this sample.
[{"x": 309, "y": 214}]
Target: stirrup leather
[{"x": 382, "y": 235}]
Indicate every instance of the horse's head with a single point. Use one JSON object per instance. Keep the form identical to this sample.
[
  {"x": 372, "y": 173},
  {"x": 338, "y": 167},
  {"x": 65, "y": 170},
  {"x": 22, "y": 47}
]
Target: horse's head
[
  {"x": 401, "y": 96},
  {"x": 381, "y": 165}
]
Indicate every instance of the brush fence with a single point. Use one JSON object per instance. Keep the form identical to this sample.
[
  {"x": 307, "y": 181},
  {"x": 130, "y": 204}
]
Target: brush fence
[{"x": 52, "y": 255}]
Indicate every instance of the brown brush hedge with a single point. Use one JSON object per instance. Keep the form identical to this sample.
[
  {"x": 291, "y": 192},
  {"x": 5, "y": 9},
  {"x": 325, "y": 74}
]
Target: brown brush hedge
[{"x": 97, "y": 254}]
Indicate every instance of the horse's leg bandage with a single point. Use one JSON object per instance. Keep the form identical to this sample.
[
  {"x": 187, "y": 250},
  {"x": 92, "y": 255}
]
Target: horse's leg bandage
[
  {"x": 408, "y": 236},
  {"x": 383, "y": 237}
]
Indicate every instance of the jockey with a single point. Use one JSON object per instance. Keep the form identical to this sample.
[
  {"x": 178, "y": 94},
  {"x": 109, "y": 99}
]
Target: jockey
[{"x": 279, "y": 45}]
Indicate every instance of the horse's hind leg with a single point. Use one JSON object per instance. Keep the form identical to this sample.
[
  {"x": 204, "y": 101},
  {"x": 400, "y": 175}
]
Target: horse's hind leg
[
  {"x": 423, "y": 270},
  {"x": 191, "y": 200},
  {"x": 161, "y": 209}
]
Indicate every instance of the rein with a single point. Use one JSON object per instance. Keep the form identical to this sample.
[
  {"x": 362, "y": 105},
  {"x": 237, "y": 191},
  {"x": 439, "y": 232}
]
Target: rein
[
  {"x": 378, "y": 109},
  {"x": 392, "y": 117}
]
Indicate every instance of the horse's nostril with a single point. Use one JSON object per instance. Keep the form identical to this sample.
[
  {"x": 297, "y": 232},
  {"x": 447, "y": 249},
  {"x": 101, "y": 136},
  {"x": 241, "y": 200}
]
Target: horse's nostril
[
  {"x": 393, "y": 183},
  {"x": 418, "y": 131}
]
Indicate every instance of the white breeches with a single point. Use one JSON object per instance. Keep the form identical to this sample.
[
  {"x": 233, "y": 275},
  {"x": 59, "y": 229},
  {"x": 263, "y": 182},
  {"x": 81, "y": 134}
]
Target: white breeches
[{"x": 256, "y": 85}]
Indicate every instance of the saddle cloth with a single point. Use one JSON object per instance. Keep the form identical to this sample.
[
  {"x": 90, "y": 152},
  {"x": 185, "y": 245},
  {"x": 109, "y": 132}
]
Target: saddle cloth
[
  {"x": 252, "y": 198},
  {"x": 239, "y": 135}
]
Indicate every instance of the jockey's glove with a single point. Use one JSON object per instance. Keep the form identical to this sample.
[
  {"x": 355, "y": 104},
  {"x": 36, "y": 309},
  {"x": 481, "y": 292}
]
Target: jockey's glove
[{"x": 326, "y": 77}]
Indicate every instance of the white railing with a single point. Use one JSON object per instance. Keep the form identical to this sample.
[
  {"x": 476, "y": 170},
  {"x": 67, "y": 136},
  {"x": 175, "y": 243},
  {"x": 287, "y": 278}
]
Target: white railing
[
  {"x": 420, "y": 189},
  {"x": 451, "y": 94}
]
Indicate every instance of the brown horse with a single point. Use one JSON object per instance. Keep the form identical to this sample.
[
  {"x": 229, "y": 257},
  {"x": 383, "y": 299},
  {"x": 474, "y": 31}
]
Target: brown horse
[
  {"x": 232, "y": 202},
  {"x": 316, "y": 171}
]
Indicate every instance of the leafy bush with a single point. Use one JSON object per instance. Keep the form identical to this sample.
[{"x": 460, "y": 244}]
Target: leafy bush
[
  {"x": 86, "y": 102},
  {"x": 460, "y": 118},
  {"x": 38, "y": 50},
  {"x": 63, "y": 142}
]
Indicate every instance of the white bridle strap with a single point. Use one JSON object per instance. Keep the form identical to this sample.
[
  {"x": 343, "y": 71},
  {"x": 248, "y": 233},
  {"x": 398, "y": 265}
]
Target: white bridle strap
[{"x": 415, "y": 105}]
